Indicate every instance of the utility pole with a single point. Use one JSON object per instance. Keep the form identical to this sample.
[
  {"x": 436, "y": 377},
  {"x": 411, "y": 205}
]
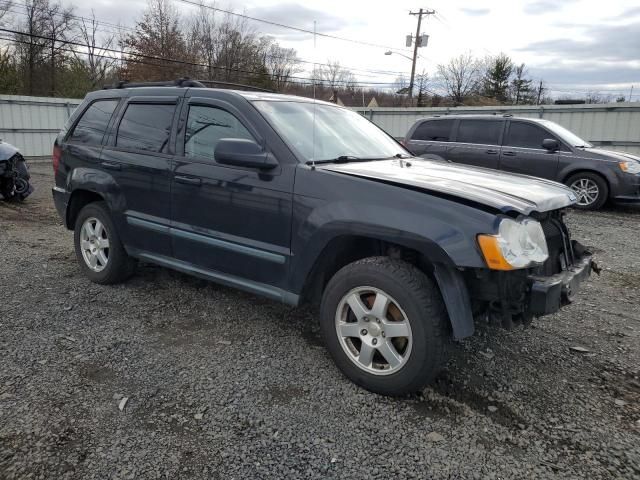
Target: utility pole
[
  {"x": 539, "y": 93},
  {"x": 631, "y": 93},
  {"x": 422, "y": 12}
]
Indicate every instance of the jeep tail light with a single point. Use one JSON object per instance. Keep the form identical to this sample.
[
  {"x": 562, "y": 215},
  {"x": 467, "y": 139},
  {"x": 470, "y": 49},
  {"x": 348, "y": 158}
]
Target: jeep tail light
[{"x": 55, "y": 158}]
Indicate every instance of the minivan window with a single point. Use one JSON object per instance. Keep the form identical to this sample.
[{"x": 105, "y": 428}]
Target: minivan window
[
  {"x": 145, "y": 127},
  {"x": 206, "y": 126},
  {"x": 486, "y": 132},
  {"x": 526, "y": 135},
  {"x": 92, "y": 125},
  {"x": 433, "y": 130}
]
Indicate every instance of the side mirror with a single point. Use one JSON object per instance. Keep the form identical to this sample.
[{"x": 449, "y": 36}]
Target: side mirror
[
  {"x": 243, "y": 153},
  {"x": 550, "y": 144}
]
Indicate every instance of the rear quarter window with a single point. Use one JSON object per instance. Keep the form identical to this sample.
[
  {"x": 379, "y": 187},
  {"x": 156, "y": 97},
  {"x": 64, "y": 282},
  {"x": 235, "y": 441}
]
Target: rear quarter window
[
  {"x": 146, "y": 127},
  {"x": 433, "y": 130},
  {"x": 93, "y": 123}
]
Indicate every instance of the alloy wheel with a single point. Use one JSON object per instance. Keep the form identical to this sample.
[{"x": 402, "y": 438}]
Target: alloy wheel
[
  {"x": 587, "y": 191},
  {"x": 94, "y": 244},
  {"x": 373, "y": 330}
]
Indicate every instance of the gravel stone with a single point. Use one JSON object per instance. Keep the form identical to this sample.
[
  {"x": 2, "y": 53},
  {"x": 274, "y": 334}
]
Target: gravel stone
[{"x": 276, "y": 406}]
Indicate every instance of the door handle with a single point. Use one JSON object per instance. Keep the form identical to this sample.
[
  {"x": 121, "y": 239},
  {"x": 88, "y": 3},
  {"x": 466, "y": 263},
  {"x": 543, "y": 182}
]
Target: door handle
[
  {"x": 112, "y": 166},
  {"x": 509, "y": 153},
  {"x": 188, "y": 180},
  {"x": 492, "y": 152}
]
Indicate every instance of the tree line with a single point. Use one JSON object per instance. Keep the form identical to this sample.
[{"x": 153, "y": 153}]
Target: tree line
[{"x": 49, "y": 50}]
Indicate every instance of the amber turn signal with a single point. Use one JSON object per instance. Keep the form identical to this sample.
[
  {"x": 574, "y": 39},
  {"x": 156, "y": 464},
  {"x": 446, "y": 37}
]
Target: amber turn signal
[{"x": 492, "y": 253}]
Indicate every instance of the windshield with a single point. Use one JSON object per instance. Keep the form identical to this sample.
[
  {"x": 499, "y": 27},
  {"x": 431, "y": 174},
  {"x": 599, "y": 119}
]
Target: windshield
[
  {"x": 339, "y": 133},
  {"x": 566, "y": 135}
]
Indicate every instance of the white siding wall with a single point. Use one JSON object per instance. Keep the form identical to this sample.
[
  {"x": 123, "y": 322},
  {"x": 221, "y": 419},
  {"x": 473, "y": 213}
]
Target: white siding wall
[
  {"x": 613, "y": 126},
  {"x": 32, "y": 123}
]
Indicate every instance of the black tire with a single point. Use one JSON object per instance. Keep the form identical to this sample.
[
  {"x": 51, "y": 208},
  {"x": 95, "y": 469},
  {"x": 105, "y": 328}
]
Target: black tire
[
  {"x": 603, "y": 189},
  {"x": 120, "y": 265},
  {"x": 420, "y": 299}
]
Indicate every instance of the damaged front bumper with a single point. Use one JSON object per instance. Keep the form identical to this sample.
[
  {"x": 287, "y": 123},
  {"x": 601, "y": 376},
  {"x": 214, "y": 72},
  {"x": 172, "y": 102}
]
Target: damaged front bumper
[{"x": 549, "y": 293}]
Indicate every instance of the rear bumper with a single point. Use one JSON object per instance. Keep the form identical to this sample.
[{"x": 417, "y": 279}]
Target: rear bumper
[
  {"x": 61, "y": 201},
  {"x": 548, "y": 294}
]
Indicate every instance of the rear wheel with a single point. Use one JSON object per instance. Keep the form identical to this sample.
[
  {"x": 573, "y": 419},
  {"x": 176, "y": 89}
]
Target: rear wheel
[
  {"x": 385, "y": 325},
  {"x": 98, "y": 247},
  {"x": 590, "y": 188}
]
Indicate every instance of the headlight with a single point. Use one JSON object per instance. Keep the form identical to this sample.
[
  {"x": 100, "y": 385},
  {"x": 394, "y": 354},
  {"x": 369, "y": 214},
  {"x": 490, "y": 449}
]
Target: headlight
[
  {"x": 518, "y": 244},
  {"x": 630, "y": 167}
]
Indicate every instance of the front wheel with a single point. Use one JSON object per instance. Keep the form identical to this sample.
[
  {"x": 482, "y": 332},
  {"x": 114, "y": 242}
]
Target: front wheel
[
  {"x": 590, "y": 188},
  {"x": 385, "y": 325}
]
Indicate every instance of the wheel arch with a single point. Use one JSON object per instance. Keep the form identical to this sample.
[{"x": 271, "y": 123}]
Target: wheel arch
[
  {"x": 567, "y": 175},
  {"x": 78, "y": 200},
  {"x": 348, "y": 248}
]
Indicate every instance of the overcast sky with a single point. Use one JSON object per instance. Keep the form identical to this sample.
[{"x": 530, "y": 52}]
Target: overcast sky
[{"x": 574, "y": 45}]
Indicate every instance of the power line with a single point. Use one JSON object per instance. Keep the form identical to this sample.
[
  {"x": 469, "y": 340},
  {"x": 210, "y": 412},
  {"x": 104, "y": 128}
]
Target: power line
[
  {"x": 290, "y": 27},
  {"x": 154, "y": 57},
  {"x": 296, "y": 60}
]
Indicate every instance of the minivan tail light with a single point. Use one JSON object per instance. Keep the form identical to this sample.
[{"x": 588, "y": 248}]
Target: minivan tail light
[{"x": 55, "y": 158}]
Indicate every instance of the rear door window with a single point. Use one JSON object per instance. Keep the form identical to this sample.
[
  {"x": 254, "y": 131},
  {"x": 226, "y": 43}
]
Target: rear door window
[
  {"x": 485, "y": 132},
  {"x": 146, "y": 127},
  {"x": 206, "y": 126},
  {"x": 433, "y": 130},
  {"x": 526, "y": 135},
  {"x": 92, "y": 126}
]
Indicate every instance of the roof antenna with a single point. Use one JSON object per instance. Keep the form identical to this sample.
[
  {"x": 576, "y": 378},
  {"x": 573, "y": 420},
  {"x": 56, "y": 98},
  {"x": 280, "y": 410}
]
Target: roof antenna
[{"x": 315, "y": 73}]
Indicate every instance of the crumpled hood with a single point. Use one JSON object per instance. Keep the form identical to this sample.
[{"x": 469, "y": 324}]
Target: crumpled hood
[{"x": 503, "y": 191}]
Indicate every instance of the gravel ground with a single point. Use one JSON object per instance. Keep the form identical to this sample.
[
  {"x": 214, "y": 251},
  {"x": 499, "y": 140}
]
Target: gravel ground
[{"x": 172, "y": 377}]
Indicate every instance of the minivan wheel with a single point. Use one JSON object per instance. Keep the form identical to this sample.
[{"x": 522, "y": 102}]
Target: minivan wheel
[
  {"x": 384, "y": 324},
  {"x": 590, "y": 188},
  {"x": 98, "y": 247}
]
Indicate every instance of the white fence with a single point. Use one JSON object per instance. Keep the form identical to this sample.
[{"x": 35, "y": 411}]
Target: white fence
[
  {"x": 31, "y": 123},
  {"x": 615, "y": 126}
]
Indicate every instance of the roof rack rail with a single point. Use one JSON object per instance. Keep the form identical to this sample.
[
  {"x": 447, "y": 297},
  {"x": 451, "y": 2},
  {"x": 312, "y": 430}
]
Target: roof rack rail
[
  {"x": 185, "y": 82},
  {"x": 237, "y": 86},
  {"x": 506, "y": 115},
  {"x": 181, "y": 82}
]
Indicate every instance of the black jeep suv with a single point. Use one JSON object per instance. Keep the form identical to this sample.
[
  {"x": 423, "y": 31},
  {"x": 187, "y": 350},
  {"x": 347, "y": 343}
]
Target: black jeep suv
[
  {"x": 304, "y": 201},
  {"x": 530, "y": 146}
]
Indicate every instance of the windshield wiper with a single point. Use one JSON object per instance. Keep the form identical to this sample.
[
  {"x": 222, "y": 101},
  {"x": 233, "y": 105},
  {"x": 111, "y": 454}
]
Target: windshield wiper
[{"x": 341, "y": 159}]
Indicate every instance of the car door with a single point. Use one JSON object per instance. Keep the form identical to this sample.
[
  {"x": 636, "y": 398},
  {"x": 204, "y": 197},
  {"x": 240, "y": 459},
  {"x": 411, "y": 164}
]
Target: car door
[
  {"x": 477, "y": 142},
  {"x": 232, "y": 222},
  {"x": 138, "y": 157},
  {"x": 522, "y": 150},
  {"x": 431, "y": 138}
]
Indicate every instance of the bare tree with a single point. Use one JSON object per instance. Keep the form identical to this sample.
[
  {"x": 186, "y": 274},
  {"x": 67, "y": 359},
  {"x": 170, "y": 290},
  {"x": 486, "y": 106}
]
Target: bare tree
[
  {"x": 597, "y": 97},
  {"x": 5, "y": 8},
  {"x": 96, "y": 59},
  {"x": 59, "y": 26},
  {"x": 335, "y": 76},
  {"x": 282, "y": 64},
  {"x": 158, "y": 48},
  {"x": 31, "y": 45},
  {"x": 202, "y": 38},
  {"x": 460, "y": 77}
]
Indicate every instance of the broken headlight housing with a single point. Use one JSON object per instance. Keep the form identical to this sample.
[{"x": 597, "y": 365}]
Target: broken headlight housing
[{"x": 518, "y": 244}]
